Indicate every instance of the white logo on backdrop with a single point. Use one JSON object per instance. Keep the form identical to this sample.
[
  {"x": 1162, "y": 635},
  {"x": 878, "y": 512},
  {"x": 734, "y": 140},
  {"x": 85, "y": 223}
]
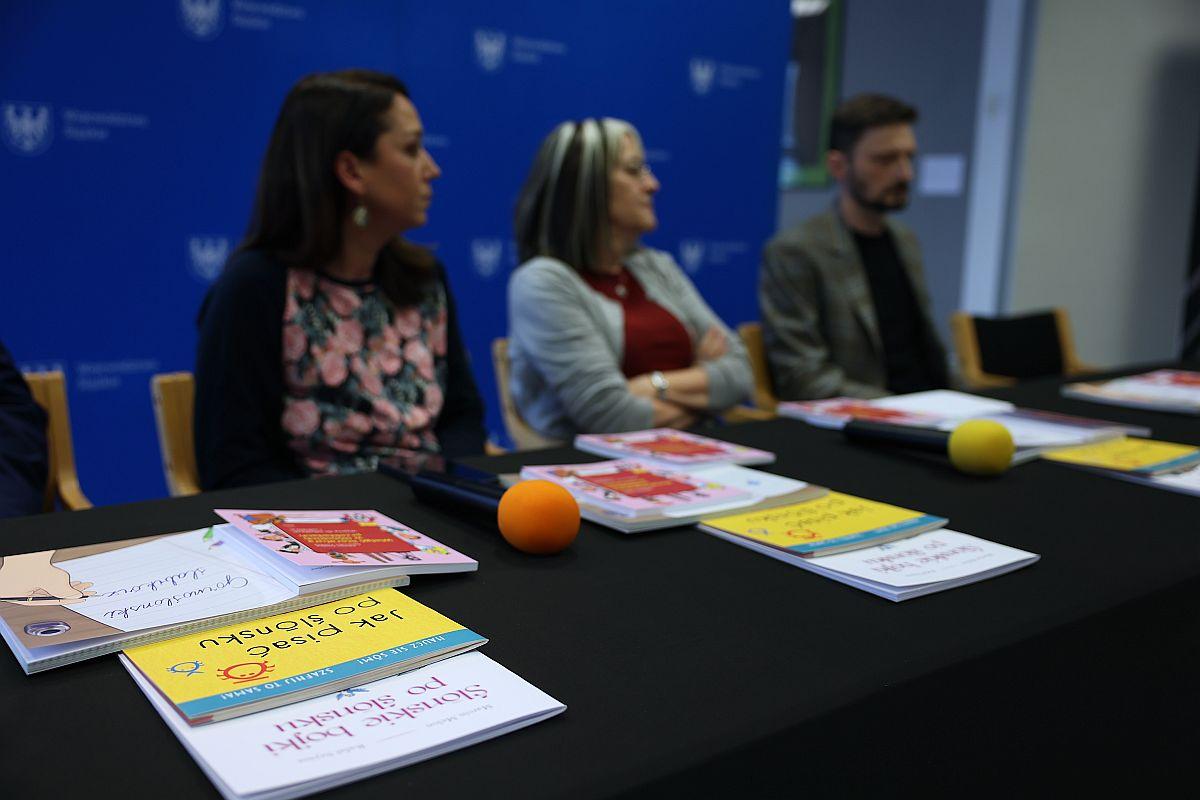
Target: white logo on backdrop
[
  {"x": 485, "y": 254},
  {"x": 208, "y": 254},
  {"x": 691, "y": 253},
  {"x": 201, "y": 18},
  {"x": 489, "y": 48},
  {"x": 702, "y": 70},
  {"x": 28, "y": 127}
]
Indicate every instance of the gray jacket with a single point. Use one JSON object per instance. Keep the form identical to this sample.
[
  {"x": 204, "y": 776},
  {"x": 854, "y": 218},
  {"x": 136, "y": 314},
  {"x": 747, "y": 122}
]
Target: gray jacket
[
  {"x": 566, "y": 343},
  {"x": 820, "y": 330}
]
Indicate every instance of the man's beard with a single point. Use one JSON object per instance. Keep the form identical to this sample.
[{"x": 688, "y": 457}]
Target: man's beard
[{"x": 877, "y": 203}]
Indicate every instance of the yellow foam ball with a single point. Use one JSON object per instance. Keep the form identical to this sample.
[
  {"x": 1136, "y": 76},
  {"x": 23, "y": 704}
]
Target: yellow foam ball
[{"x": 981, "y": 447}]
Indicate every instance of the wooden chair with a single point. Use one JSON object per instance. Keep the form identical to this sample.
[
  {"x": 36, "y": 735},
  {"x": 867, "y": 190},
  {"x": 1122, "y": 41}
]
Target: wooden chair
[
  {"x": 50, "y": 391},
  {"x": 174, "y": 396},
  {"x": 523, "y": 436},
  {"x": 752, "y": 339},
  {"x": 1000, "y": 351}
]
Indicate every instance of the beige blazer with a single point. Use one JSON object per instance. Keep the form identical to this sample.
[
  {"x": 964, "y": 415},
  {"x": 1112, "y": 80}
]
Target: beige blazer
[{"x": 819, "y": 324}]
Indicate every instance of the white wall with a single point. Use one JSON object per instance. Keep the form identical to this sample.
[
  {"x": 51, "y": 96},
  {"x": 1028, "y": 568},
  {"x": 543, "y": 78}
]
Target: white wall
[{"x": 1107, "y": 173}]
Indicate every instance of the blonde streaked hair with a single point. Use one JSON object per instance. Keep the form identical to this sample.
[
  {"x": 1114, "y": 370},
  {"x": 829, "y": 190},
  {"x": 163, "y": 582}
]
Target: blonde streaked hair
[{"x": 562, "y": 211}]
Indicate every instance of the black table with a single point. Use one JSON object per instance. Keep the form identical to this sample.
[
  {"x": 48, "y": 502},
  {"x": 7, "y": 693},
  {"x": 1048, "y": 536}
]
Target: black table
[{"x": 690, "y": 665}]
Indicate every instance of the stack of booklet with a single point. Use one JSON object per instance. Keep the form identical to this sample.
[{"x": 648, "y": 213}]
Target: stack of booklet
[
  {"x": 273, "y": 645},
  {"x": 886, "y": 550},
  {"x": 671, "y": 448},
  {"x": 1165, "y": 465},
  {"x": 253, "y": 666},
  {"x": 341, "y": 737},
  {"x": 632, "y": 495},
  {"x": 943, "y": 409},
  {"x": 62, "y": 606},
  {"x": 1162, "y": 390}
]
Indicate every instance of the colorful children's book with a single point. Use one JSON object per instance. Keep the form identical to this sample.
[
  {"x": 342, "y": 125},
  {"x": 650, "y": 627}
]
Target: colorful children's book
[
  {"x": 670, "y": 447},
  {"x": 943, "y": 409},
  {"x": 62, "y": 606},
  {"x": 749, "y": 488},
  {"x": 1162, "y": 390},
  {"x": 834, "y": 523},
  {"x": 359, "y": 732},
  {"x": 837, "y": 411},
  {"x": 634, "y": 488},
  {"x": 241, "y": 669},
  {"x": 1144, "y": 457},
  {"x": 340, "y": 545},
  {"x": 901, "y": 570}
]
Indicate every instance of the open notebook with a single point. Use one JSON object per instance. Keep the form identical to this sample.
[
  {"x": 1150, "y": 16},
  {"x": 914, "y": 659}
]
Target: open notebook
[{"x": 62, "y": 606}]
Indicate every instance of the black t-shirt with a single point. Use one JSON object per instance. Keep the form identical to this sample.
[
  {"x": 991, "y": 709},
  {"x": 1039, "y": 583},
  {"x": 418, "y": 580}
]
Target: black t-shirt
[{"x": 911, "y": 366}]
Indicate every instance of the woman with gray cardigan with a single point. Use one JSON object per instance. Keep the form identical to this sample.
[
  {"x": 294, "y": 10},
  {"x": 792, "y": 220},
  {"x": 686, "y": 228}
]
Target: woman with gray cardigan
[{"x": 606, "y": 335}]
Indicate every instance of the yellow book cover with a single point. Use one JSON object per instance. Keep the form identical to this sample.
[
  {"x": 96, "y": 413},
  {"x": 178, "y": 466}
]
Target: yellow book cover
[
  {"x": 238, "y": 669},
  {"x": 834, "y": 523},
  {"x": 1127, "y": 454}
]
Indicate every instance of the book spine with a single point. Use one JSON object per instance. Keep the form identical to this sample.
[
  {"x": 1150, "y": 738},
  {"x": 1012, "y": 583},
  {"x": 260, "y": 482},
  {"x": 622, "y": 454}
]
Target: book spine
[{"x": 915, "y": 525}]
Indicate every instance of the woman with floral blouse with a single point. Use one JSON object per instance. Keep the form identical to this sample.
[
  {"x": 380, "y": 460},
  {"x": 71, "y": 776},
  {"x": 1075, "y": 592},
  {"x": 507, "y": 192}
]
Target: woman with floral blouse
[{"x": 329, "y": 344}]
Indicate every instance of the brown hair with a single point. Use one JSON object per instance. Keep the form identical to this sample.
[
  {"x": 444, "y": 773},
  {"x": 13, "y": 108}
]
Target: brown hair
[
  {"x": 301, "y": 205},
  {"x": 855, "y": 115}
]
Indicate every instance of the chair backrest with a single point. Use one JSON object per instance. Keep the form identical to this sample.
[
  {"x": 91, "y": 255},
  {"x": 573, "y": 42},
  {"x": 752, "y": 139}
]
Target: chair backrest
[
  {"x": 174, "y": 396},
  {"x": 999, "y": 351},
  {"x": 49, "y": 389},
  {"x": 524, "y": 437},
  {"x": 752, "y": 339}
]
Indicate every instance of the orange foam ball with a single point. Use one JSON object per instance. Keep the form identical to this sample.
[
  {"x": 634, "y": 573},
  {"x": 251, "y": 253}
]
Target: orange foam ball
[{"x": 538, "y": 517}]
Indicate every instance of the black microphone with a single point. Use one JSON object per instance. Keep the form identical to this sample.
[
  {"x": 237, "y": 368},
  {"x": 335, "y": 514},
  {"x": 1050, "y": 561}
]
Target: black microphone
[
  {"x": 453, "y": 490},
  {"x": 975, "y": 446},
  {"x": 869, "y": 432}
]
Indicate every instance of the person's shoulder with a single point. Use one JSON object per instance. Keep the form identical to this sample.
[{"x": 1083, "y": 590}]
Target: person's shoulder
[
  {"x": 819, "y": 230},
  {"x": 249, "y": 270},
  {"x": 654, "y": 259},
  {"x": 252, "y": 284},
  {"x": 543, "y": 272},
  {"x": 656, "y": 265},
  {"x": 901, "y": 232}
]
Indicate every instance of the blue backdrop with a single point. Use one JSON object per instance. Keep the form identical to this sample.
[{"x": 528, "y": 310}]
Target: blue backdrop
[{"x": 132, "y": 135}]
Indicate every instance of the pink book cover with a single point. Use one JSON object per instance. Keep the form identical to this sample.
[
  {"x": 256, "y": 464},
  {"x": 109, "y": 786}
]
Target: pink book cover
[
  {"x": 634, "y": 487},
  {"x": 844, "y": 409},
  {"x": 1170, "y": 377},
  {"x": 359, "y": 538},
  {"x": 670, "y": 446}
]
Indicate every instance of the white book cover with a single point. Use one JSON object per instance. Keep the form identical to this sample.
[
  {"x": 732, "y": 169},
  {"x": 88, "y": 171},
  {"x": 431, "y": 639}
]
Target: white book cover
[
  {"x": 1187, "y": 482},
  {"x": 1162, "y": 390},
  {"x": 945, "y": 404},
  {"x": 335, "y": 739},
  {"x": 900, "y": 570}
]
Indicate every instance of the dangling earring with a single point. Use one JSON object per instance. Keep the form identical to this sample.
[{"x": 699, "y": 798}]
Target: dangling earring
[{"x": 360, "y": 216}]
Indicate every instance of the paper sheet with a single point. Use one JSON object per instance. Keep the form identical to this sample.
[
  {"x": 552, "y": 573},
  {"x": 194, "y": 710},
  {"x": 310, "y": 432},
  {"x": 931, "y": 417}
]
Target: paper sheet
[{"x": 171, "y": 580}]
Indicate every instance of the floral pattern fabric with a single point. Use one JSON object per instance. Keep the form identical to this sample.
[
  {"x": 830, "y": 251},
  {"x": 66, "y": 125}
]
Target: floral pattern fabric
[{"x": 363, "y": 380}]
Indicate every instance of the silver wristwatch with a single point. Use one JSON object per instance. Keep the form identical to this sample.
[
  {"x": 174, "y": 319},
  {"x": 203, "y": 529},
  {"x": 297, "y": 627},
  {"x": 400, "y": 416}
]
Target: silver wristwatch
[{"x": 660, "y": 384}]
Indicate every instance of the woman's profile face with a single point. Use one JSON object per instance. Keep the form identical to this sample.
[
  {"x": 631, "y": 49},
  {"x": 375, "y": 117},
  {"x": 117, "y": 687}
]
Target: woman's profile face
[
  {"x": 398, "y": 180},
  {"x": 632, "y": 187}
]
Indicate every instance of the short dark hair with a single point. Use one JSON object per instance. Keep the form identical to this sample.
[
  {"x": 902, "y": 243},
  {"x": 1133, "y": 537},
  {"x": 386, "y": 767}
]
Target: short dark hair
[
  {"x": 855, "y": 115},
  {"x": 300, "y": 204}
]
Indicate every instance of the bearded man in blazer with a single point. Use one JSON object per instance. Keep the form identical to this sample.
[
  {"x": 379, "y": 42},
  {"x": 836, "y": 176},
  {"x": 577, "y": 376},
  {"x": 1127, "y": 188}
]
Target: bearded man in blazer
[{"x": 845, "y": 310}]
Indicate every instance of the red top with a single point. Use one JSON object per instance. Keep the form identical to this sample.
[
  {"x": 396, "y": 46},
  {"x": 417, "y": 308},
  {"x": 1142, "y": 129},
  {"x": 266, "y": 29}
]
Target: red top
[{"x": 654, "y": 338}]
